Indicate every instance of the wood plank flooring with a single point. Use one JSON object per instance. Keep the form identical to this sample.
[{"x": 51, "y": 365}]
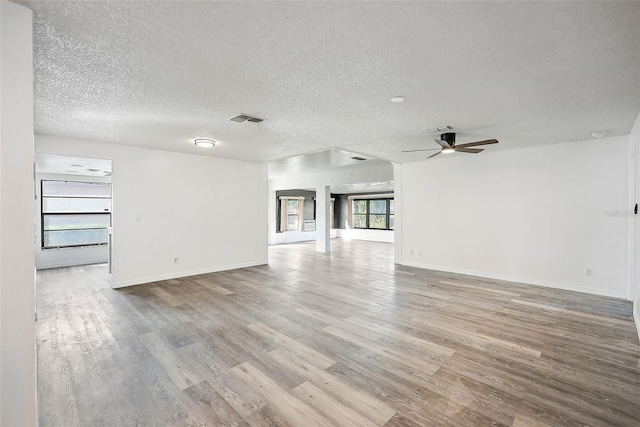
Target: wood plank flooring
[{"x": 347, "y": 339}]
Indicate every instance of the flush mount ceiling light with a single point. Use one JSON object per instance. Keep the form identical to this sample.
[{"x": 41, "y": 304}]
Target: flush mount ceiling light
[
  {"x": 205, "y": 143},
  {"x": 598, "y": 133},
  {"x": 398, "y": 99}
]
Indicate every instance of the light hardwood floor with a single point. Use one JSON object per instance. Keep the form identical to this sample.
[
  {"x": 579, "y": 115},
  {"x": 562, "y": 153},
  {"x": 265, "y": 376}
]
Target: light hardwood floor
[{"x": 347, "y": 339}]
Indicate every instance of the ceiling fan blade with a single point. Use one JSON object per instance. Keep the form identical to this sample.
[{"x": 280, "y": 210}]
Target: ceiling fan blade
[
  {"x": 422, "y": 149},
  {"x": 473, "y": 144},
  {"x": 443, "y": 144},
  {"x": 433, "y": 155},
  {"x": 468, "y": 150}
]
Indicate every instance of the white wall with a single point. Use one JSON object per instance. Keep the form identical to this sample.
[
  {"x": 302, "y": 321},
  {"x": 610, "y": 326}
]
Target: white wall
[
  {"x": 65, "y": 257},
  {"x": 398, "y": 224},
  {"x": 537, "y": 215},
  {"x": 634, "y": 142},
  {"x": 17, "y": 299},
  {"x": 208, "y": 212}
]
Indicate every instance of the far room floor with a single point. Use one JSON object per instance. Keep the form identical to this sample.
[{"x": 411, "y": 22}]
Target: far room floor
[{"x": 346, "y": 338}]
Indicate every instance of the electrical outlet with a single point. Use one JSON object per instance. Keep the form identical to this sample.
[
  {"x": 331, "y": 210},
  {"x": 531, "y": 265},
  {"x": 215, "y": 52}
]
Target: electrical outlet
[
  {"x": 588, "y": 271},
  {"x": 175, "y": 260},
  {"x": 410, "y": 251}
]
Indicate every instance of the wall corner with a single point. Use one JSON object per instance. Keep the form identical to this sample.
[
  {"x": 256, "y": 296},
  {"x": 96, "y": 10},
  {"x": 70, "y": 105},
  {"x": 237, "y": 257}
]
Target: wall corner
[{"x": 397, "y": 195}]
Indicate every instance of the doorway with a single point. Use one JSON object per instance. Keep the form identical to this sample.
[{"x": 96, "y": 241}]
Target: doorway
[{"x": 73, "y": 210}]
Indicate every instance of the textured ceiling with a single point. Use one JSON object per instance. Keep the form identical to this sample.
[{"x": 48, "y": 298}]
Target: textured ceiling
[
  {"x": 325, "y": 161},
  {"x": 158, "y": 74}
]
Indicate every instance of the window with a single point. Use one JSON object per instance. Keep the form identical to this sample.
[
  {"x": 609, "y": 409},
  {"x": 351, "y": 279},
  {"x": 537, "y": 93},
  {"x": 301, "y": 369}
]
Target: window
[
  {"x": 75, "y": 213},
  {"x": 359, "y": 214},
  {"x": 373, "y": 213},
  {"x": 293, "y": 207},
  {"x": 291, "y": 213}
]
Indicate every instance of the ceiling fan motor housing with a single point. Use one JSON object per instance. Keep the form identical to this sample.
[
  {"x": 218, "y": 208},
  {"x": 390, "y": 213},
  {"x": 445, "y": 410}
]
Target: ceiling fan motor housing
[{"x": 449, "y": 137}]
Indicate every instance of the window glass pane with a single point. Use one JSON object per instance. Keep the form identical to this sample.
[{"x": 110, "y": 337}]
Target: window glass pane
[
  {"x": 377, "y": 221},
  {"x": 377, "y": 207},
  {"x": 75, "y": 189},
  {"x": 292, "y": 222},
  {"x": 392, "y": 207},
  {"x": 292, "y": 206},
  {"x": 57, "y": 204},
  {"x": 359, "y": 206},
  {"x": 391, "y": 222},
  {"x": 359, "y": 221},
  {"x": 62, "y": 238},
  {"x": 66, "y": 222}
]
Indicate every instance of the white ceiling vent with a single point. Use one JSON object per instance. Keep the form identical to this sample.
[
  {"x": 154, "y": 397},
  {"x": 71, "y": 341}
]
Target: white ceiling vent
[{"x": 241, "y": 118}]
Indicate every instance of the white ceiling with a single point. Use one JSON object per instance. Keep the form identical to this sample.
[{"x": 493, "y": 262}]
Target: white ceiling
[
  {"x": 325, "y": 161},
  {"x": 68, "y": 165},
  {"x": 158, "y": 74},
  {"x": 365, "y": 187}
]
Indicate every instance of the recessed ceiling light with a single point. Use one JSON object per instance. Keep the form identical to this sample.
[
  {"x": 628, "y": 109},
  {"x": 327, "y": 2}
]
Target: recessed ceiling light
[
  {"x": 598, "y": 133},
  {"x": 397, "y": 99},
  {"x": 205, "y": 143}
]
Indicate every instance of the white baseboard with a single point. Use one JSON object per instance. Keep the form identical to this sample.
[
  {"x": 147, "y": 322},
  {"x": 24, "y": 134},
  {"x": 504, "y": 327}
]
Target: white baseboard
[
  {"x": 518, "y": 279},
  {"x": 178, "y": 275}
]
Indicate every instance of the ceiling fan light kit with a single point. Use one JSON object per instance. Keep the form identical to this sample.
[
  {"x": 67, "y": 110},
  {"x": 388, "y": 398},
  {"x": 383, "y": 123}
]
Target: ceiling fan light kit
[
  {"x": 205, "y": 142},
  {"x": 447, "y": 143}
]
